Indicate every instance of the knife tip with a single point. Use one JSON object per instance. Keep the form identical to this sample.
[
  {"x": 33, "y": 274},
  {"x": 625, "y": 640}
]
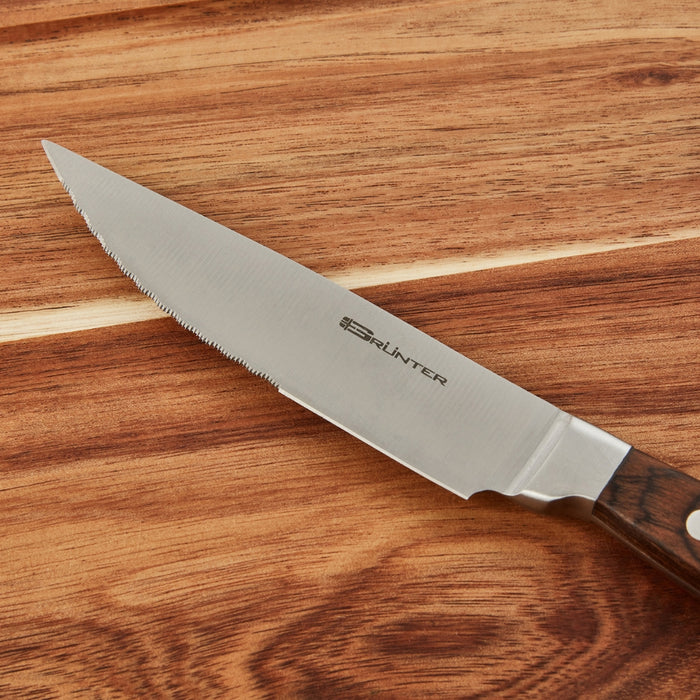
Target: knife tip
[
  {"x": 50, "y": 148},
  {"x": 60, "y": 158}
]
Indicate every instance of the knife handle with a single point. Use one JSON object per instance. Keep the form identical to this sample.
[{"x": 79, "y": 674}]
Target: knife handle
[{"x": 655, "y": 509}]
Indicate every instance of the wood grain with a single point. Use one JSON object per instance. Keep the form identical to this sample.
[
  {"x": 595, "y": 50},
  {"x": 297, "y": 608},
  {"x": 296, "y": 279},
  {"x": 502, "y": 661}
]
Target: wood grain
[
  {"x": 342, "y": 150},
  {"x": 526, "y": 177}
]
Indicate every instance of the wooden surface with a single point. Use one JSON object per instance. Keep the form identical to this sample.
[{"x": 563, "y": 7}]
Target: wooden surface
[{"x": 519, "y": 179}]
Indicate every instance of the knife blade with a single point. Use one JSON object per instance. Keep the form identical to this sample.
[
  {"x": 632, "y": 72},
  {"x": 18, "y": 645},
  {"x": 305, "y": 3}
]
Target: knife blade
[{"x": 380, "y": 379}]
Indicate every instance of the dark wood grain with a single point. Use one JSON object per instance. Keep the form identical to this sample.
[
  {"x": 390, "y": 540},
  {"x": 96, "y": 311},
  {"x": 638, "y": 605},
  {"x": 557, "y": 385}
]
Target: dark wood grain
[
  {"x": 646, "y": 504},
  {"x": 171, "y": 526},
  {"x": 340, "y": 134},
  {"x": 172, "y": 522}
]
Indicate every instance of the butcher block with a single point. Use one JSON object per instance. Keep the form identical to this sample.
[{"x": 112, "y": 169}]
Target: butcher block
[{"x": 520, "y": 180}]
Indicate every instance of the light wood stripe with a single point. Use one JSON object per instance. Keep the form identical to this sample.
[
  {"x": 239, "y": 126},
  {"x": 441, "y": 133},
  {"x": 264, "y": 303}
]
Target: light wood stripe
[
  {"x": 83, "y": 316},
  {"x": 387, "y": 274},
  {"x": 101, "y": 313}
]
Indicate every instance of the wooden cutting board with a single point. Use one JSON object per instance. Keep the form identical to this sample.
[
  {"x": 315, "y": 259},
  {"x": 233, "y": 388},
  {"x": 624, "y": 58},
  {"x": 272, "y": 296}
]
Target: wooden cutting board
[{"x": 519, "y": 180}]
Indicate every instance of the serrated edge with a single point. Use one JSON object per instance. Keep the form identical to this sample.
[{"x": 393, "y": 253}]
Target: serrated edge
[{"x": 144, "y": 289}]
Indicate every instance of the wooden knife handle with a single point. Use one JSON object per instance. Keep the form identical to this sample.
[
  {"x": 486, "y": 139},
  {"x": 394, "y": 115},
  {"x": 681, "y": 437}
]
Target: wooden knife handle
[{"x": 654, "y": 509}]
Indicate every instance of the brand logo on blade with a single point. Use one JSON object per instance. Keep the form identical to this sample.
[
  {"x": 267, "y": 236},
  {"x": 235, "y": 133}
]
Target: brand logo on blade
[{"x": 392, "y": 350}]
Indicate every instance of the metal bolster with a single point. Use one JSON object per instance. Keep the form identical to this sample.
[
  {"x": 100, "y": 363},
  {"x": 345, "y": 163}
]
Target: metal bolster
[{"x": 569, "y": 468}]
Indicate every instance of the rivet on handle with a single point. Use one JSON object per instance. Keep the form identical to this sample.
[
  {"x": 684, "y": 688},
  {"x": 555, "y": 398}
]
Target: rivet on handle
[{"x": 692, "y": 524}]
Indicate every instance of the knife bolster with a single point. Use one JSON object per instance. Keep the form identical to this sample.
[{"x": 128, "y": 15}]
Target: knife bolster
[{"x": 570, "y": 467}]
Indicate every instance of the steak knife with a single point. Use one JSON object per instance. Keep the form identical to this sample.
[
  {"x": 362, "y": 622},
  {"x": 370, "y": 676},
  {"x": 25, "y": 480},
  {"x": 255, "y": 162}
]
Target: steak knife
[{"x": 379, "y": 378}]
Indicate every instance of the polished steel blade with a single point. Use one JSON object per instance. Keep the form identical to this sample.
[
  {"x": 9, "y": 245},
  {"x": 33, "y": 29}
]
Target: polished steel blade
[{"x": 360, "y": 367}]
